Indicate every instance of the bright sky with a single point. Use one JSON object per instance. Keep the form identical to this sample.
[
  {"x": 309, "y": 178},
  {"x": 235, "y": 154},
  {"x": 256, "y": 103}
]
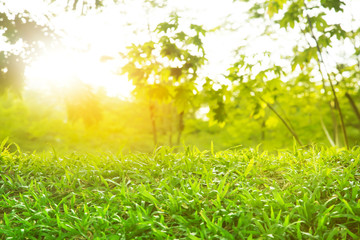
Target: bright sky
[{"x": 87, "y": 38}]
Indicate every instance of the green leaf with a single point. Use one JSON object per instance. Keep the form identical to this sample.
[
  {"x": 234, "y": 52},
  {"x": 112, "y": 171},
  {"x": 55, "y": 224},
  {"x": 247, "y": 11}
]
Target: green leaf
[
  {"x": 195, "y": 41},
  {"x": 148, "y": 195},
  {"x": 333, "y": 4},
  {"x": 165, "y": 27},
  {"x": 348, "y": 206},
  {"x": 274, "y": 6},
  {"x": 181, "y": 36},
  {"x": 249, "y": 167},
  {"x": 6, "y": 220},
  {"x": 292, "y": 16},
  {"x": 3, "y": 143},
  {"x": 176, "y": 73},
  {"x": 324, "y": 41},
  {"x": 303, "y": 58},
  {"x": 319, "y": 22},
  {"x": 170, "y": 50},
  {"x": 198, "y": 28},
  {"x": 336, "y": 30}
]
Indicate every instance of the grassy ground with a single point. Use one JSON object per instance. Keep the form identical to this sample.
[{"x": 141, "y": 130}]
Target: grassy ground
[{"x": 240, "y": 194}]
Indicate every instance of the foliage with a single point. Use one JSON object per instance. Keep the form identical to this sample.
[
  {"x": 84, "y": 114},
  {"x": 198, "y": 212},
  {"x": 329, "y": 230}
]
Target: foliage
[
  {"x": 309, "y": 83},
  {"x": 240, "y": 194},
  {"x": 164, "y": 70},
  {"x": 38, "y": 122},
  {"x": 24, "y": 34}
]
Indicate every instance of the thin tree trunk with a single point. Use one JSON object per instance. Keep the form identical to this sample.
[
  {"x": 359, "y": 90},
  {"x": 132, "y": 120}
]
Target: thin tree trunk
[
  {"x": 335, "y": 125},
  {"x": 153, "y": 121},
  {"x": 283, "y": 121},
  {"x": 342, "y": 123},
  {"x": 180, "y": 127},
  {"x": 170, "y": 118},
  {"x": 353, "y": 105},
  {"x": 291, "y": 130},
  {"x": 263, "y": 131},
  {"x": 321, "y": 59},
  {"x": 281, "y": 109}
]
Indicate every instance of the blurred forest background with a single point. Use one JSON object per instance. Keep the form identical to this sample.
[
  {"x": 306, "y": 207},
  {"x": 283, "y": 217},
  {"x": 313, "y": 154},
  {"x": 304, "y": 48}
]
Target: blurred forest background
[{"x": 294, "y": 79}]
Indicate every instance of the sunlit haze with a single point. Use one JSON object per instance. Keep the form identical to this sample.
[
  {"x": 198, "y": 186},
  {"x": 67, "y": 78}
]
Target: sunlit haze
[
  {"x": 60, "y": 69},
  {"x": 85, "y": 39}
]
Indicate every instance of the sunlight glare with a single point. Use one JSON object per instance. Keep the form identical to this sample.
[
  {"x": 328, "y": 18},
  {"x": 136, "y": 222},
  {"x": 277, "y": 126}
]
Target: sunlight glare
[{"x": 61, "y": 69}]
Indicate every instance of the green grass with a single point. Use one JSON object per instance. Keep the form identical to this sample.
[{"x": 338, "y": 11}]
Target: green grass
[{"x": 239, "y": 194}]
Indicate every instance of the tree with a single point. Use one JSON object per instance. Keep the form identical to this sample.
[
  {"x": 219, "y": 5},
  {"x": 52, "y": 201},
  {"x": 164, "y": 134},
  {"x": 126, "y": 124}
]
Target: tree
[
  {"x": 164, "y": 70},
  {"x": 264, "y": 85},
  {"x": 312, "y": 60},
  {"x": 25, "y": 35}
]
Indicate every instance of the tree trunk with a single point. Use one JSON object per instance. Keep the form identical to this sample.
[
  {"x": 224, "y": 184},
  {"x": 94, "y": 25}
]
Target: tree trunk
[
  {"x": 153, "y": 121},
  {"x": 181, "y": 127},
  {"x": 321, "y": 59},
  {"x": 263, "y": 128},
  {"x": 291, "y": 130},
  {"x": 170, "y": 124},
  {"x": 335, "y": 125},
  {"x": 353, "y": 105},
  {"x": 283, "y": 121}
]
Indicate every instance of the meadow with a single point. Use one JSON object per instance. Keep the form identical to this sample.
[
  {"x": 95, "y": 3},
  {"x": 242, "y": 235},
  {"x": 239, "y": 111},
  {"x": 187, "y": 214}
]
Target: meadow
[
  {"x": 161, "y": 119},
  {"x": 243, "y": 193}
]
